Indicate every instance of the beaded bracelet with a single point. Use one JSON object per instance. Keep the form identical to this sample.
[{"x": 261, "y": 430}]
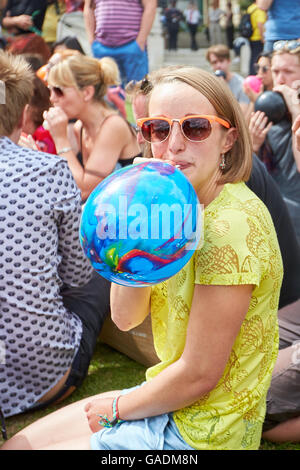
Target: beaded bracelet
[
  {"x": 105, "y": 422},
  {"x": 64, "y": 150}
]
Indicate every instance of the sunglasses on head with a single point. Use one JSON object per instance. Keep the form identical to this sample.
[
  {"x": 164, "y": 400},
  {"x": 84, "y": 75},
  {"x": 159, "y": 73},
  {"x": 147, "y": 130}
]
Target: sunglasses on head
[
  {"x": 288, "y": 45},
  {"x": 195, "y": 128},
  {"x": 143, "y": 85},
  {"x": 263, "y": 68},
  {"x": 56, "y": 90}
]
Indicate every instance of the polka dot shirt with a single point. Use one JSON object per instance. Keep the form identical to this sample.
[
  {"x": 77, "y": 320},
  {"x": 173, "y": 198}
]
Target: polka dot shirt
[{"x": 39, "y": 253}]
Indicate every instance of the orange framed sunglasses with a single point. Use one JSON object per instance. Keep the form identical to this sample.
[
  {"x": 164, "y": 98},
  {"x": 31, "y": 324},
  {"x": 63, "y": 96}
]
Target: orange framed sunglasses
[{"x": 195, "y": 128}]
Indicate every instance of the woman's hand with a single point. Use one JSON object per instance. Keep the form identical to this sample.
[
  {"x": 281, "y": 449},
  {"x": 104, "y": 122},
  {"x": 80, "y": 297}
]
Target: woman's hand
[
  {"x": 296, "y": 131},
  {"x": 252, "y": 95},
  {"x": 101, "y": 406},
  {"x": 291, "y": 98},
  {"x": 259, "y": 128},
  {"x": 56, "y": 122},
  {"x": 24, "y": 22},
  {"x": 27, "y": 141}
]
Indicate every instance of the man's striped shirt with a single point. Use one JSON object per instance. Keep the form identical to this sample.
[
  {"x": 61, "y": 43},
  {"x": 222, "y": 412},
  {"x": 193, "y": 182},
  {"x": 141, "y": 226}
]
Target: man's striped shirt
[{"x": 117, "y": 21}]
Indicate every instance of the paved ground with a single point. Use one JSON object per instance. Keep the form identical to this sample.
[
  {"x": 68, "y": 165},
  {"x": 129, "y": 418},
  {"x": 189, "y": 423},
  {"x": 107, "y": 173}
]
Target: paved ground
[{"x": 187, "y": 57}]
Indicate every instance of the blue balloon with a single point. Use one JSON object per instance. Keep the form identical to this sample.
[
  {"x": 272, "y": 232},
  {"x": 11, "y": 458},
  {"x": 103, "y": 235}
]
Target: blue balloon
[{"x": 141, "y": 224}]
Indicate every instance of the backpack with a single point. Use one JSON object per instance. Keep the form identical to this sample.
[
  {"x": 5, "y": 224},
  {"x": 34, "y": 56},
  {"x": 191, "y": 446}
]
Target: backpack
[{"x": 245, "y": 27}]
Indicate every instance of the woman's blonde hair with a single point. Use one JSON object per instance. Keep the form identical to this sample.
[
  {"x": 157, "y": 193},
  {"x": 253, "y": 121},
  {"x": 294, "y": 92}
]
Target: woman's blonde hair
[
  {"x": 239, "y": 157},
  {"x": 80, "y": 71},
  {"x": 16, "y": 90}
]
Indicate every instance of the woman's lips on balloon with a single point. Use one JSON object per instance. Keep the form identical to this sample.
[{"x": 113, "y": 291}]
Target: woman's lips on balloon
[
  {"x": 179, "y": 165},
  {"x": 182, "y": 166}
]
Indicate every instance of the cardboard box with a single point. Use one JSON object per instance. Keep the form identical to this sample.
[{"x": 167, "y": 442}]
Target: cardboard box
[{"x": 136, "y": 343}]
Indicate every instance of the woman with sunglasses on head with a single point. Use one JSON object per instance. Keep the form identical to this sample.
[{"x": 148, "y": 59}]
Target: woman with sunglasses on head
[
  {"x": 215, "y": 322},
  {"x": 103, "y": 139}
]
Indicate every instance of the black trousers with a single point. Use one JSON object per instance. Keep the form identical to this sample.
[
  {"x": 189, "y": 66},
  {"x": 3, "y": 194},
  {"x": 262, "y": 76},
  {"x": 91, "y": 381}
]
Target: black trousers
[
  {"x": 193, "y": 31},
  {"x": 230, "y": 36},
  {"x": 173, "y": 34},
  {"x": 256, "y": 49}
]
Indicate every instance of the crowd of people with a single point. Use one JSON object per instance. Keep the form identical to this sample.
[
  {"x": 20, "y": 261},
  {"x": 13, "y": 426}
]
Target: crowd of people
[{"x": 227, "y": 327}]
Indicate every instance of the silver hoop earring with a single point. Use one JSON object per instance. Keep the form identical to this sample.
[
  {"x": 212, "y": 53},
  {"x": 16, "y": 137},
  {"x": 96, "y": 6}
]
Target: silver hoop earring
[{"x": 223, "y": 163}]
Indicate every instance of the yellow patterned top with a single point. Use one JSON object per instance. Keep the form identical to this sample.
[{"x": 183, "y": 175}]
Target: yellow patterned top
[{"x": 240, "y": 247}]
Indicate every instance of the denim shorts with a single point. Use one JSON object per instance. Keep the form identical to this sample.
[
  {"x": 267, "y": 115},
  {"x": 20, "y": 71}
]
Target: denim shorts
[
  {"x": 131, "y": 60},
  {"x": 155, "y": 433}
]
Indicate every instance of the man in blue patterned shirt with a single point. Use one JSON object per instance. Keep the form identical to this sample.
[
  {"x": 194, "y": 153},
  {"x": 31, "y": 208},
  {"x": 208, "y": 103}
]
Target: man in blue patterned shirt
[{"x": 49, "y": 317}]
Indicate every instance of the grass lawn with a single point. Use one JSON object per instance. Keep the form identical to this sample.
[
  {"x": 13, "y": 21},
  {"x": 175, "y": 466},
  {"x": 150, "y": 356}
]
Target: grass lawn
[{"x": 109, "y": 370}]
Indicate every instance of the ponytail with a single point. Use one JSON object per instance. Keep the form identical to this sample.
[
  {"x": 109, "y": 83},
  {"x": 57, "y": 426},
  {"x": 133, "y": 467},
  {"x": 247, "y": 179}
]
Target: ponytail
[{"x": 80, "y": 71}]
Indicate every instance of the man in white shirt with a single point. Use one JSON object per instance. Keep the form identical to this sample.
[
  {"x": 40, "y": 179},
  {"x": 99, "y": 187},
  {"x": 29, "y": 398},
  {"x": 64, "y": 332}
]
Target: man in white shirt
[{"x": 193, "y": 18}]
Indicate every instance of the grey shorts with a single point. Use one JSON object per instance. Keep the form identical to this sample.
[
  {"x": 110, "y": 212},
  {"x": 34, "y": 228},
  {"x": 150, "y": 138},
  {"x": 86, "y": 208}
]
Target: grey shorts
[{"x": 283, "y": 399}]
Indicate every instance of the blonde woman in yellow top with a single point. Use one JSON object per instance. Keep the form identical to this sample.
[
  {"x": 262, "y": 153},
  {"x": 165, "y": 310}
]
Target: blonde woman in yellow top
[{"x": 215, "y": 322}]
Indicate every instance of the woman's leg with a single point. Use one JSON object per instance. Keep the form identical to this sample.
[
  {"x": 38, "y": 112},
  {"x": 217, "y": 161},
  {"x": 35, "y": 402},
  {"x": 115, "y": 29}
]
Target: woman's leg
[
  {"x": 78, "y": 443},
  {"x": 63, "y": 429},
  {"x": 288, "y": 431},
  {"x": 282, "y": 421},
  {"x": 289, "y": 324}
]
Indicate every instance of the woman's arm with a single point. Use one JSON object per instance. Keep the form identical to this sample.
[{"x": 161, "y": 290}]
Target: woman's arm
[
  {"x": 20, "y": 21},
  {"x": 56, "y": 121},
  {"x": 89, "y": 20},
  {"x": 146, "y": 22},
  {"x": 129, "y": 305},
  {"x": 113, "y": 137},
  {"x": 264, "y": 4},
  {"x": 261, "y": 27},
  {"x": 216, "y": 317},
  {"x": 105, "y": 152}
]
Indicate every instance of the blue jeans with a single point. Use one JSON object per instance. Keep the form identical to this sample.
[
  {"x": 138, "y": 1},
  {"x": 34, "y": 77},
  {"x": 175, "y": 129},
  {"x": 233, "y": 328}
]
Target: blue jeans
[
  {"x": 268, "y": 46},
  {"x": 131, "y": 60}
]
